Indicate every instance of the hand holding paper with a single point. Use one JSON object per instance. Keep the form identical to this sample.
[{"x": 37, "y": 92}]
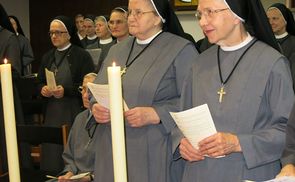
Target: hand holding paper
[
  {"x": 198, "y": 127},
  {"x": 100, "y": 113},
  {"x": 195, "y": 124}
]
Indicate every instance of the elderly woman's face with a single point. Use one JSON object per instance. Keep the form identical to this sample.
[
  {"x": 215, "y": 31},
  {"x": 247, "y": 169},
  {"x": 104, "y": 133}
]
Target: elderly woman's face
[
  {"x": 143, "y": 21},
  {"x": 216, "y": 20},
  {"x": 59, "y": 35},
  {"x": 102, "y": 30}
]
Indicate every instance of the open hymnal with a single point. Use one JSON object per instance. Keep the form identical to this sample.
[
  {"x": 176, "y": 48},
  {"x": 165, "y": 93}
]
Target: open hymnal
[
  {"x": 95, "y": 54},
  {"x": 101, "y": 94},
  {"x": 50, "y": 79},
  {"x": 75, "y": 177},
  {"x": 195, "y": 124}
]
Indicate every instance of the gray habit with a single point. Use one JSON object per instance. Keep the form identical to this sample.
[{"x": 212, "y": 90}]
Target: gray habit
[
  {"x": 153, "y": 80},
  {"x": 104, "y": 52},
  {"x": 256, "y": 108},
  {"x": 79, "y": 152}
]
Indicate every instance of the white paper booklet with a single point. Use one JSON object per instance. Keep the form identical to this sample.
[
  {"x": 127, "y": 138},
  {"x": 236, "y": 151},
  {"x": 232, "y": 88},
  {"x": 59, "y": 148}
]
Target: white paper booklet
[
  {"x": 101, "y": 94},
  {"x": 50, "y": 79},
  {"x": 75, "y": 177},
  {"x": 79, "y": 176},
  {"x": 195, "y": 124}
]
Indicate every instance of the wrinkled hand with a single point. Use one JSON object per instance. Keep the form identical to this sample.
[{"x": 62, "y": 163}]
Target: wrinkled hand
[
  {"x": 188, "y": 152},
  {"x": 142, "y": 116},
  {"x": 288, "y": 170},
  {"x": 100, "y": 113},
  {"x": 66, "y": 177},
  {"x": 58, "y": 92},
  {"x": 46, "y": 92},
  {"x": 219, "y": 144}
]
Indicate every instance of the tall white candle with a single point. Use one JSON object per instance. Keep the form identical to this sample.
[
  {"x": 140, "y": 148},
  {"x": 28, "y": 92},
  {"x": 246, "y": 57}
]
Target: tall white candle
[
  {"x": 117, "y": 123},
  {"x": 9, "y": 122}
]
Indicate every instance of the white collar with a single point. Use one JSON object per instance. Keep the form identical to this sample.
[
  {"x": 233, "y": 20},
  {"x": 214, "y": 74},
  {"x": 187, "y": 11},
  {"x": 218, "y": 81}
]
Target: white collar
[
  {"x": 64, "y": 48},
  {"x": 282, "y": 35},
  {"x": 80, "y": 36},
  {"x": 92, "y": 38},
  {"x": 106, "y": 41},
  {"x": 148, "y": 40},
  {"x": 238, "y": 46}
]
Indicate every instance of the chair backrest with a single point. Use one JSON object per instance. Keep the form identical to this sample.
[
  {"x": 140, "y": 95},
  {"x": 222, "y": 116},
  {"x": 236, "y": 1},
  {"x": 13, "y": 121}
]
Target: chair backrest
[{"x": 37, "y": 134}]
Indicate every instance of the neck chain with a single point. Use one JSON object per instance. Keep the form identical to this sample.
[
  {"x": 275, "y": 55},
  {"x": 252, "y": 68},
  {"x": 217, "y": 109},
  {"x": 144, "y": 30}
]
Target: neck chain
[
  {"x": 61, "y": 60},
  {"x": 127, "y": 64},
  {"x": 90, "y": 135},
  {"x": 222, "y": 92}
]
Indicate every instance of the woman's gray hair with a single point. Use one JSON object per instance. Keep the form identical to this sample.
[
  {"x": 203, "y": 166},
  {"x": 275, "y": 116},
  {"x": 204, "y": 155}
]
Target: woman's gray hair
[{"x": 90, "y": 75}]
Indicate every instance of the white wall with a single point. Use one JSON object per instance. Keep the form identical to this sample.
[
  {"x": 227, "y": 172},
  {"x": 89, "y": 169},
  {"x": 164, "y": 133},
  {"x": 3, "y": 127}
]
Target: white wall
[{"x": 190, "y": 24}]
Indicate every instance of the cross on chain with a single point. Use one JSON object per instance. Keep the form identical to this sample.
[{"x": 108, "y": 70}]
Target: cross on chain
[{"x": 221, "y": 92}]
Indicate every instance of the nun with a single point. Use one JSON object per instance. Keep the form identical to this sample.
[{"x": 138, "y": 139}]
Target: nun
[
  {"x": 283, "y": 25},
  {"x": 9, "y": 49},
  {"x": 155, "y": 60},
  {"x": 91, "y": 39},
  {"x": 104, "y": 35},
  {"x": 247, "y": 85},
  {"x": 69, "y": 62}
]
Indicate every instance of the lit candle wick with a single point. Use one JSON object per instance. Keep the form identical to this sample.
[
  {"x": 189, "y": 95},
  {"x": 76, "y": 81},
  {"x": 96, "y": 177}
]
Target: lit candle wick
[
  {"x": 5, "y": 61},
  {"x": 114, "y": 64}
]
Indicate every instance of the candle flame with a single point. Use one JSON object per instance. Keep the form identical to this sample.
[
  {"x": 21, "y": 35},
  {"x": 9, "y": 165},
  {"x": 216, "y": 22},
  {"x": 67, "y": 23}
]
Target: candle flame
[
  {"x": 5, "y": 61},
  {"x": 114, "y": 64}
]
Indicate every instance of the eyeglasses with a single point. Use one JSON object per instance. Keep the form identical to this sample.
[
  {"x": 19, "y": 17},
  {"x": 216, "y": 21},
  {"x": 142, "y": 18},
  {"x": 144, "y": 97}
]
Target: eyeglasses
[
  {"x": 117, "y": 22},
  {"x": 137, "y": 13},
  {"x": 56, "y": 33},
  {"x": 208, "y": 13},
  {"x": 82, "y": 89}
]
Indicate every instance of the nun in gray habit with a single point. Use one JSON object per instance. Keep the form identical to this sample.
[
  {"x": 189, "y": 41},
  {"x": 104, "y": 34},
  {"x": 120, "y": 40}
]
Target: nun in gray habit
[
  {"x": 156, "y": 61},
  {"x": 247, "y": 85}
]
